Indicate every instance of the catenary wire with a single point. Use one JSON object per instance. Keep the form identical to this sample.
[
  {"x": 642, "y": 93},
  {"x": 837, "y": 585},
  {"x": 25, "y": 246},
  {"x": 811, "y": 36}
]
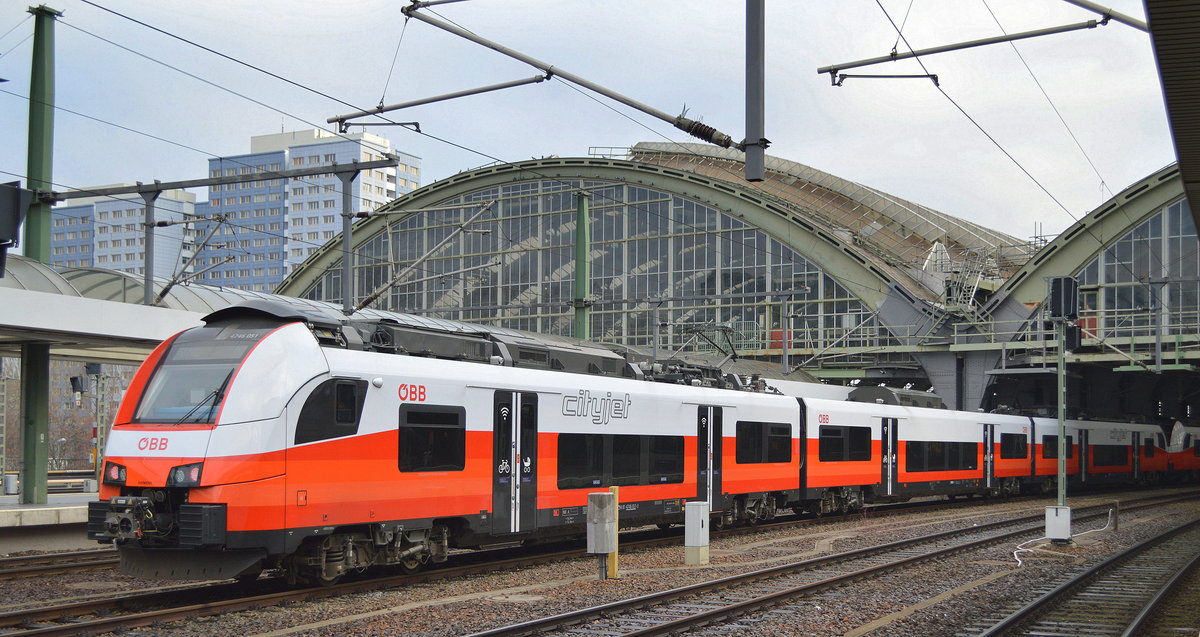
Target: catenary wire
[
  {"x": 14, "y": 47},
  {"x": 730, "y": 240},
  {"x": 168, "y": 141},
  {"x": 850, "y": 282},
  {"x": 395, "y": 56},
  {"x": 233, "y": 224},
  {"x": 1103, "y": 183},
  {"x": 902, "y": 24},
  {"x": 16, "y": 26},
  {"x": 653, "y": 213},
  {"x": 921, "y": 62},
  {"x": 255, "y": 67},
  {"x": 972, "y": 119}
]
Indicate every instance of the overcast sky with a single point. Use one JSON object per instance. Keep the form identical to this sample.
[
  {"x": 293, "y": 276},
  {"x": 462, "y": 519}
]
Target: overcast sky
[{"x": 900, "y": 136}]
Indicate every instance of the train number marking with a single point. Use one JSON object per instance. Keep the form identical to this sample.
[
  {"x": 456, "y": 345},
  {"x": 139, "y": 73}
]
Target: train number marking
[
  {"x": 823, "y": 419},
  {"x": 414, "y": 393},
  {"x": 152, "y": 444}
]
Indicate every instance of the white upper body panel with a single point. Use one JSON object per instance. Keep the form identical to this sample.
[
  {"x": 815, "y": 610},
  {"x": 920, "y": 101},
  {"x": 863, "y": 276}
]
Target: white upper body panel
[
  {"x": 567, "y": 402},
  {"x": 272, "y": 373}
]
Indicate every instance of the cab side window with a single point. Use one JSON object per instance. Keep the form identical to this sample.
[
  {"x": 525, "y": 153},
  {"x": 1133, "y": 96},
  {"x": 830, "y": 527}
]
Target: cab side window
[{"x": 333, "y": 410}]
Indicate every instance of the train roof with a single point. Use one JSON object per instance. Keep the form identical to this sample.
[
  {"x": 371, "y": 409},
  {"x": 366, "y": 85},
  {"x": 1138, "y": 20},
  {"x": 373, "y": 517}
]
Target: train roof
[{"x": 413, "y": 335}]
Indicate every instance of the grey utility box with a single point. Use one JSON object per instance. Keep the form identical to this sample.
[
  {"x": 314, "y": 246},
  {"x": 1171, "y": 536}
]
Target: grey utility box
[
  {"x": 11, "y": 484},
  {"x": 601, "y": 523},
  {"x": 1058, "y": 523},
  {"x": 695, "y": 532}
]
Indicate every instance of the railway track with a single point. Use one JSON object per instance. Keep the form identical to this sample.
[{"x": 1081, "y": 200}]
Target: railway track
[
  {"x": 191, "y": 601},
  {"x": 111, "y": 613},
  {"x": 724, "y": 600},
  {"x": 1116, "y": 597},
  {"x": 52, "y": 563}
]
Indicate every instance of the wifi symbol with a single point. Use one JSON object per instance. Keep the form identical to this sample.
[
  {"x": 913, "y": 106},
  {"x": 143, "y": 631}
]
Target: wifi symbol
[{"x": 504, "y": 412}]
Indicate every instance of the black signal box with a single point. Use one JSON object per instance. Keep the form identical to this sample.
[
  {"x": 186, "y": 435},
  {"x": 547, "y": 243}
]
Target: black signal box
[{"x": 1063, "y": 303}]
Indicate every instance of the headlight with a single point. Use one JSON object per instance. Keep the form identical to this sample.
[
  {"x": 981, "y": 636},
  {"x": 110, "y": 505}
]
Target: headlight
[
  {"x": 186, "y": 475},
  {"x": 114, "y": 474}
]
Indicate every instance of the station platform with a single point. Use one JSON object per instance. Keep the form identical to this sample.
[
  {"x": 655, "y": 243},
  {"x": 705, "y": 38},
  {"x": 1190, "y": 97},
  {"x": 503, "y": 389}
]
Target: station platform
[{"x": 58, "y": 525}]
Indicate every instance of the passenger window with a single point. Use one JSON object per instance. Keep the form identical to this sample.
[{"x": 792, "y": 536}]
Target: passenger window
[
  {"x": 587, "y": 461},
  {"x": 1050, "y": 447},
  {"x": 759, "y": 442},
  {"x": 432, "y": 438},
  {"x": 844, "y": 443},
  {"x": 580, "y": 461},
  {"x": 627, "y": 460},
  {"x": 666, "y": 459},
  {"x": 937, "y": 455},
  {"x": 1148, "y": 448},
  {"x": 1013, "y": 446},
  {"x": 1111, "y": 455},
  {"x": 333, "y": 410}
]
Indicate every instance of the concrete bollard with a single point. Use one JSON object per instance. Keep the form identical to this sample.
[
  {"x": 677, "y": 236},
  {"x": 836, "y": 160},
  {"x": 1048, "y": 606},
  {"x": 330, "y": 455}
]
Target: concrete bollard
[
  {"x": 695, "y": 533},
  {"x": 602, "y": 532}
]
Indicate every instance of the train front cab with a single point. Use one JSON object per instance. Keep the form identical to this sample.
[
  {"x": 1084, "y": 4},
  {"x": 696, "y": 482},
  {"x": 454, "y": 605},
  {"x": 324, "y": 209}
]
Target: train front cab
[
  {"x": 194, "y": 468},
  {"x": 1184, "y": 454}
]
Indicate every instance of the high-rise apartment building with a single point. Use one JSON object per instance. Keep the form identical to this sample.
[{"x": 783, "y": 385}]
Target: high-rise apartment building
[
  {"x": 109, "y": 232},
  {"x": 267, "y": 226},
  {"x": 271, "y": 225}
]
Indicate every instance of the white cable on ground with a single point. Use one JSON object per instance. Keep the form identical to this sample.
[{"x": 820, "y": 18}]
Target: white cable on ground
[{"x": 1021, "y": 549}]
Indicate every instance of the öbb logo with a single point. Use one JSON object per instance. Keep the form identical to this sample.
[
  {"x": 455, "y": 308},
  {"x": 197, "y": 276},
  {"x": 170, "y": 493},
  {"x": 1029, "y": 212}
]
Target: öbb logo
[
  {"x": 152, "y": 444},
  {"x": 414, "y": 393}
]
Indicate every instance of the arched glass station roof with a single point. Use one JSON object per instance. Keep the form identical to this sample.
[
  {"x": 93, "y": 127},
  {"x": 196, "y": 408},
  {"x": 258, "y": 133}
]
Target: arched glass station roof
[{"x": 676, "y": 257}]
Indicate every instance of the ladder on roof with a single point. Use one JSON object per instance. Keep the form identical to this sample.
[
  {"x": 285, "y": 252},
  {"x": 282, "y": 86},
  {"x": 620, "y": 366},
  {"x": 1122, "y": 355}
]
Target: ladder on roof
[{"x": 958, "y": 296}]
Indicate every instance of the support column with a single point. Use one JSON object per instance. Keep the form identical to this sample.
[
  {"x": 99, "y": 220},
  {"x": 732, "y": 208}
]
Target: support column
[
  {"x": 1061, "y": 390},
  {"x": 35, "y": 419},
  {"x": 35, "y": 357},
  {"x": 756, "y": 143},
  {"x": 40, "y": 156},
  {"x": 583, "y": 269},
  {"x": 347, "y": 178},
  {"x": 148, "y": 199}
]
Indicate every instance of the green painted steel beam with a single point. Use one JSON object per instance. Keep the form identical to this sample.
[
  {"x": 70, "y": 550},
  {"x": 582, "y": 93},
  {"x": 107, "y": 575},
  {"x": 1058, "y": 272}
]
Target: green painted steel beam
[
  {"x": 40, "y": 156},
  {"x": 35, "y": 358},
  {"x": 583, "y": 267}
]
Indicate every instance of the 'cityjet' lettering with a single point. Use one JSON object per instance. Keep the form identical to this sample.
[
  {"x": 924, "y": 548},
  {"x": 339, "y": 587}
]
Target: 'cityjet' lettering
[{"x": 600, "y": 409}]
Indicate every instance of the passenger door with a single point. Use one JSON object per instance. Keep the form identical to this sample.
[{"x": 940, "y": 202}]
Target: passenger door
[
  {"x": 1137, "y": 455},
  {"x": 1084, "y": 461},
  {"x": 514, "y": 467},
  {"x": 989, "y": 455},
  {"x": 888, "y": 437},
  {"x": 708, "y": 451}
]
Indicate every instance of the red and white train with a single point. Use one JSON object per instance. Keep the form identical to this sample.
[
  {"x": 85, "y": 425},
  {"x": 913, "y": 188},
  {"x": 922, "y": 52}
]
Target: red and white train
[{"x": 279, "y": 436}]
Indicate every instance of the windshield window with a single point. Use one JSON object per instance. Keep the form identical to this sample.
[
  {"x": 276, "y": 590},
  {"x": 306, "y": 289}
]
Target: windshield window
[{"x": 190, "y": 381}]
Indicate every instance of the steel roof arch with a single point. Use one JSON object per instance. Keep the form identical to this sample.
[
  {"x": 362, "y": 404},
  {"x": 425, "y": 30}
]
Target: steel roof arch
[
  {"x": 1023, "y": 293},
  {"x": 840, "y": 259}
]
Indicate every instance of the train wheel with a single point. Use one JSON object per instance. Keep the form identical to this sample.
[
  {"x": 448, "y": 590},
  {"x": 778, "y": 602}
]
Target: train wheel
[
  {"x": 413, "y": 565},
  {"x": 324, "y": 580}
]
